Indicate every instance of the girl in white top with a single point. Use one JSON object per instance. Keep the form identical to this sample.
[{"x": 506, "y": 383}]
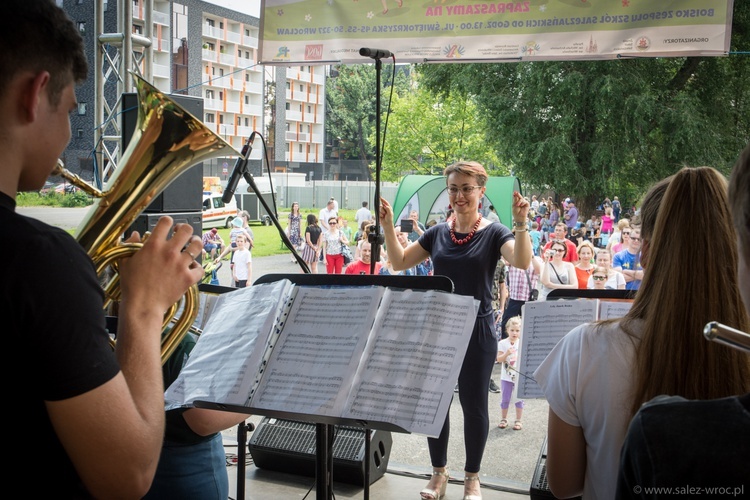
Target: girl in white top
[
  {"x": 556, "y": 273},
  {"x": 508, "y": 350},
  {"x": 242, "y": 260}
]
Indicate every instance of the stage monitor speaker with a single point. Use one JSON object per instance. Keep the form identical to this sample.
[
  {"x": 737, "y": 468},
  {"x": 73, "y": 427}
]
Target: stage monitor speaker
[
  {"x": 289, "y": 446},
  {"x": 539, "y": 488},
  {"x": 147, "y": 222},
  {"x": 185, "y": 193}
]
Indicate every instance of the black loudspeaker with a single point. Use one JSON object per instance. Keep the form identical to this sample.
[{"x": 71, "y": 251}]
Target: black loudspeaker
[
  {"x": 185, "y": 193},
  {"x": 289, "y": 446},
  {"x": 147, "y": 222}
]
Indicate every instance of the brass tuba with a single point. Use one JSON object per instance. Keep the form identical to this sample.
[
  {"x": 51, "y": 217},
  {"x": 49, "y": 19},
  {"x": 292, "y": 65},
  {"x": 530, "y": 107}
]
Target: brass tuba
[{"x": 166, "y": 142}]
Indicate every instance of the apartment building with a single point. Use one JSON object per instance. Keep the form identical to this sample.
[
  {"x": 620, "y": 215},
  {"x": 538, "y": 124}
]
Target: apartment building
[{"x": 203, "y": 50}]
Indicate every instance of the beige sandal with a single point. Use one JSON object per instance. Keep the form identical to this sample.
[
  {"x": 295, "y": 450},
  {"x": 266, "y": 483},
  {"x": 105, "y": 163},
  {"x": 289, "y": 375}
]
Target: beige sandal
[
  {"x": 517, "y": 425},
  {"x": 437, "y": 494},
  {"x": 469, "y": 479},
  {"x": 503, "y": 423}
]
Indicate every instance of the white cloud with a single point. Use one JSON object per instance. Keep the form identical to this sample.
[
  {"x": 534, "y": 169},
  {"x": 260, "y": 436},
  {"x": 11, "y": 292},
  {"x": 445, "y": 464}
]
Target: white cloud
[{"x": 249, "y": 7}]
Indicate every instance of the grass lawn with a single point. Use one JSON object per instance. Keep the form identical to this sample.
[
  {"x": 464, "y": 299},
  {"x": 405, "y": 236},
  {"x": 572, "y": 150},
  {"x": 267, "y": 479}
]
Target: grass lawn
[{"x": 267, "y": 240}]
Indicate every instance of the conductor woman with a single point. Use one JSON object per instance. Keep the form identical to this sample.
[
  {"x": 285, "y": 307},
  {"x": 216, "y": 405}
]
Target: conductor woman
[{"x": 466, "y": 249}]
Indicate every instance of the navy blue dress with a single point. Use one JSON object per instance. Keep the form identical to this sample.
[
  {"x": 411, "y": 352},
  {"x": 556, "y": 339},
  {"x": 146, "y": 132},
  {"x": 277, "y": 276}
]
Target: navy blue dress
[{"x": 471, "y": 266}]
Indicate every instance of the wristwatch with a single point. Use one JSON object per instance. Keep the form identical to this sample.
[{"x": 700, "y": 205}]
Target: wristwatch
[{"x": 517, "y": 224}]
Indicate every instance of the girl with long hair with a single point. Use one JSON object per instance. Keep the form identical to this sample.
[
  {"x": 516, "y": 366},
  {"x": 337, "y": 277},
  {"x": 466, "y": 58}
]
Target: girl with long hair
[{"x": 598, "y": 375}]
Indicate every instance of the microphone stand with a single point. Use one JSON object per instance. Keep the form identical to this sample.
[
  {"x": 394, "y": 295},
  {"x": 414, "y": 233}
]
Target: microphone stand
[{"x": 376, "y": 237}]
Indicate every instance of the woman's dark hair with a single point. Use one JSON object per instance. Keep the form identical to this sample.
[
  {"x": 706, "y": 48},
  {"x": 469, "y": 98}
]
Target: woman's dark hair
[
  {"x": 562, "y": 244},
  {"x": 312, "y": 220}
]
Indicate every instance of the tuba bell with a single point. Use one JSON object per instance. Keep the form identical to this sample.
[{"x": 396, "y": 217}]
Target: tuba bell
[{"x": 167, "y": 141}]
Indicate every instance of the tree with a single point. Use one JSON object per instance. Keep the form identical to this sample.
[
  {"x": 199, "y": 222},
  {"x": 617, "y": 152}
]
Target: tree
[
  {"x": 426, "y": 132},
  {"x": 588, "y": 129},
  {"x": 351, "y": 105}
]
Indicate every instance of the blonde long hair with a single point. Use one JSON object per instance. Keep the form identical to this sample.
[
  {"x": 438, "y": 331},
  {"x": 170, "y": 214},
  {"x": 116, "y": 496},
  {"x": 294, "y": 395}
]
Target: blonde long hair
[{"x": 689, "y": 280}]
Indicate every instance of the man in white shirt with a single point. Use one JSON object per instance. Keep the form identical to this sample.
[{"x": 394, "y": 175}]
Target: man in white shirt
[
  {"x": 326, "y": 214},
  {"x": 362, "y": 215}
]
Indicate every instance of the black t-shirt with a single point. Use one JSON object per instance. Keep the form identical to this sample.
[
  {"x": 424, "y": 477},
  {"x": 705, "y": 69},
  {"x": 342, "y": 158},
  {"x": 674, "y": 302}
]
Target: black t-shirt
[{"x": 52, "y": 310}]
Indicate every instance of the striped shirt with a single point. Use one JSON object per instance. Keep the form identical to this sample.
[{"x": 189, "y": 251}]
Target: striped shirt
[{"x": 518, "y": 285}]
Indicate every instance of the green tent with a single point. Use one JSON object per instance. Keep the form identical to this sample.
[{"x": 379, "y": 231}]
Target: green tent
[{"x": 427, "y": 195}]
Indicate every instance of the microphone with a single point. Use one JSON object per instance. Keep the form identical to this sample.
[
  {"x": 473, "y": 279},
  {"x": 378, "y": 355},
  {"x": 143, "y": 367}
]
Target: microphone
[
  {"x": 374, "y": 53},
  {"x": 239, "y": 169}
]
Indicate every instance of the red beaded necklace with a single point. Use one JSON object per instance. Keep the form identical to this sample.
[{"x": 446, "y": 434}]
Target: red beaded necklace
[{"x": 468, "y": 236}]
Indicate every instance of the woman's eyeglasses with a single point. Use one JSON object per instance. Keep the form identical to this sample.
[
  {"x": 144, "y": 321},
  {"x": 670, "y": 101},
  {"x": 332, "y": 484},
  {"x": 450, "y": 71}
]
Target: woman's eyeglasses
[
  {"x": 599, "y": 278},
  {"x": 333, "y": 222},
  {"x": 626, "y": 233},
  {"x": 465, "y": 190},
  {"x": 559, "y": 250}
]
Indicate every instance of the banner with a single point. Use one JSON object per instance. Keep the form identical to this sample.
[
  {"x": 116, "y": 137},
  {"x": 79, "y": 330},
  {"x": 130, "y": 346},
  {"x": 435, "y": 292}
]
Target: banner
[{"x": 333, "y": 31}]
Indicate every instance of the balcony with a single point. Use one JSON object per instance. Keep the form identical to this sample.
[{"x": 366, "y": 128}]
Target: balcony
[
  {"x": 213, "y": 105},
  {"x": 226, "y": 130},
  {"x": 161, "y": 18},
  {"x": 228, "y": 59},
  {"x": 160, "y": 70},
  {"x": 213, "y": 32},
  {"x": 296, "y": 136},
  {"x": 209, "y": 55}
]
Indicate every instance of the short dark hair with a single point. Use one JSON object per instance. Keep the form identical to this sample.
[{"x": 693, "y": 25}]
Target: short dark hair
[
  {"x": 364, "y": 204},
  {"x": 37, "y": 35}
]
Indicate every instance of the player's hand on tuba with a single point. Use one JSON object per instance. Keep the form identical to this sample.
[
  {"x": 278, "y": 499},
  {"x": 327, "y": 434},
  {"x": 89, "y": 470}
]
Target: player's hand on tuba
[{"x": 158, "y": 274}]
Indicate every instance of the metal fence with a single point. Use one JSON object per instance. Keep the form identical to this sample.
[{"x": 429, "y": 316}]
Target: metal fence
[{"x": 348, "y": 194}]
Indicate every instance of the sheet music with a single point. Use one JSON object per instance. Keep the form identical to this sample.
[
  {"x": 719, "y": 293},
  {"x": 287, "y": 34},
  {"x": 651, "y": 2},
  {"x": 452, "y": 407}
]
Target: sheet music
[
  {"x": 611, "y": 309},
  {"x": 321, "y": 342},
  {"x": 412, "y": 360},
  {"x": 232, "y": 341},
  {"x": 544, "y": 324}
]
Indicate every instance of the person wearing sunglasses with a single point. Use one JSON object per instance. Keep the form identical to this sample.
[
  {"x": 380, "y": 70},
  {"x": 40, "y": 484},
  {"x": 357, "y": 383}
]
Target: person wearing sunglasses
[
  {"x": 598, "y": 279},
  {"x": 618, "y": 240},
  {"x": 333, "y": 247},
  {"x": 628, "y": 261},
  {"x": 614, "y": 279},
  {"x": 466, "y": 249}
]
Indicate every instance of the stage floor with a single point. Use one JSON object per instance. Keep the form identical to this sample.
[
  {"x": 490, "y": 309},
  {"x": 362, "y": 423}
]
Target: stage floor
[{"x": 395, "y": 484}]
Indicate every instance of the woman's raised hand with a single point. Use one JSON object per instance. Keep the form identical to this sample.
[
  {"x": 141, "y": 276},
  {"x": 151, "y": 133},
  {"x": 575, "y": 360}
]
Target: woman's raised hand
[
  {"x": 386, "y": 212},
  {"x": 520, "y": 207}
]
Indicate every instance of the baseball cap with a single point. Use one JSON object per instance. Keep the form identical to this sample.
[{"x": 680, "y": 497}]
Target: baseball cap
[{"x": 237, "y": 222}]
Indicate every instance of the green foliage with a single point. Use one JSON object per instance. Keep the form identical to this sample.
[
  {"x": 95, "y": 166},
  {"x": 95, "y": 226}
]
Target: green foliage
[
  {"x": 53, "y": 199},
  {"x": 590, "y": 129},
  {"x": 351, "y": 105},
  {"x": 426, "y": 132}
]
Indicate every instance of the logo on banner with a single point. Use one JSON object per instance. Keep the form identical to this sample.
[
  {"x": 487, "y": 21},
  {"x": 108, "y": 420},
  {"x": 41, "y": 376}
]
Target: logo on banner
[
  {"x": 283, "y": 53},
  {"x": 530, "y": 49},
  {"x": 643, "y": 43},
  {"x": 313, "y": 52},
  {"x": 453, "y": 51}
]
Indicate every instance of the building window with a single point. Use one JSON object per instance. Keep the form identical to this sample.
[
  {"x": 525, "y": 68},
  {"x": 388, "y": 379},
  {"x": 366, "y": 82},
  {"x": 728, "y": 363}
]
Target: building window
[
  {"x": 247, "y": 99},
  {"x": 82, "y": 27},
  {"x": 247, "y": 77},
  {"x": 301, "y": 88},
  {"x": 239, "y": 121},
  {"x": 209, "y": 118},
  {"x": 247, "y": 55},
  {"x": 288, "y": 86},
  {"x": 79, "y": 133},
  {"x": 288, "y": 108},
  {"x": 288, "y": 127},
  {"x": 210, "y": 23},
  {"x": 309, "y": 108},
  {"x": 221, "y": 96},
  {"x": 221, "y": 25},
  {"x": 247, "y": 32},
  {"x": 221, "y": 119},
  {"x": 81, "y": 108},
  {"x": 221, "y": 71},
  {"x": 299, "y": 147},
  {"x": 239, "y": 52},
  {"x": 210, "y": 46},
  {"x": 247, "y": 122},
  {"x": 137, "y": 29},
  {"x": 287, "y": 147},
  {"x": 209, "y": 94}
]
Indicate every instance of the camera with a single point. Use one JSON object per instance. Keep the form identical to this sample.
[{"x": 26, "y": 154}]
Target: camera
[{"x": 407, "y": 225}]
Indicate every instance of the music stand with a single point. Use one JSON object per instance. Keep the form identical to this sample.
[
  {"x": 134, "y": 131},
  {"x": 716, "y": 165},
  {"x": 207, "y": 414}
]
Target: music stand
[{"x": 324, "y": 425}]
